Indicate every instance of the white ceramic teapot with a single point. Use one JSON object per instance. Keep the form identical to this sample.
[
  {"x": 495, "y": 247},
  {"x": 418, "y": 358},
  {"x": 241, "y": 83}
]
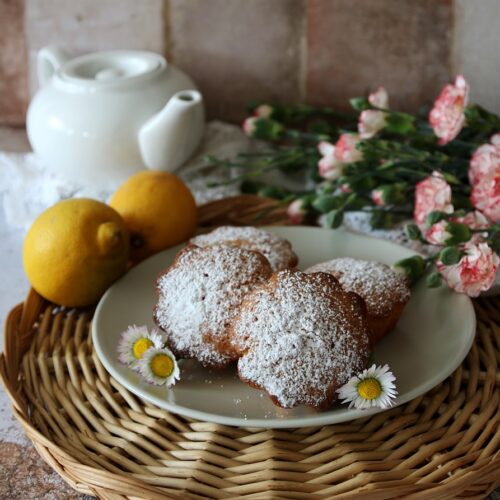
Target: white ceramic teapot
[{"x": 101, "y": 117}]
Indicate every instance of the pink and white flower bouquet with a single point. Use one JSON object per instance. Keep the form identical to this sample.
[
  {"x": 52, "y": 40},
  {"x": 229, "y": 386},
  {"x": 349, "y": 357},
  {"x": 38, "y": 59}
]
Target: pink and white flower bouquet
[{"x": 441, "y": 169}]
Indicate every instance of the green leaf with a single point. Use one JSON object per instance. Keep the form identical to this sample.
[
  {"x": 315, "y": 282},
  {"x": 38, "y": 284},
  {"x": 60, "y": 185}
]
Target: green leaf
[
  {"x": 450, "y": 178},
  {"x": 210, "y": 159},
  {"x": 400, "y": 123},
  {"x": 360, "y": 103},
  {"x": 320, "y": 127},
  {"x": 494, "y": 242},
  {"x": 434, "y": 217},
  {"x": 272, "y": 192},
  {"x": 450, "y": 255},
  {"x": 265, "y": 128},
  {"x": 364, "y": 184},
  {"x": 334, "y": 218},
  {"x": 413, "y": 232},
  {"x": 325, "y": 202},
  {"x": 307, "y": 199},
  {"x": 460, "y": 233},
  {"x": 250, "y": 187},
  {"x": 434, "y": 280},
  {"x": 327, "y": 187},
  {"x": 381, "y": 220},
  {"x": 393, "y": 194}
]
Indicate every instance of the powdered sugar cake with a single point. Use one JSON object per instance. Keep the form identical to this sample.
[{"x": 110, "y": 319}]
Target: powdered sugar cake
[
  {"x": 276, "y": 249},
  {"x": 384, "y": 290},
  {"x": 431, "y": 339},
  {"x": 198, "y": 295},
  {"x": 300, "y": 337}
]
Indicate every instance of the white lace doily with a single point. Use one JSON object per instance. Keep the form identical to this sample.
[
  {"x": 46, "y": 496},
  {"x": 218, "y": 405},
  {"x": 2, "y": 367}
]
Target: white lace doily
[{"x": 28, "y": 188}]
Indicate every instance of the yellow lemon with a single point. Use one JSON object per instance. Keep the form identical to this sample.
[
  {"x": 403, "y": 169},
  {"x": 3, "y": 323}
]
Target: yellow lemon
[
  {"x": 159, "y": 211},
  {"x": 75, "y": 250}
]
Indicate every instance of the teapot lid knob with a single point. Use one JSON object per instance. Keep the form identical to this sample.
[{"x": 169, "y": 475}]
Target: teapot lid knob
[{"x": 108, "y": 74}]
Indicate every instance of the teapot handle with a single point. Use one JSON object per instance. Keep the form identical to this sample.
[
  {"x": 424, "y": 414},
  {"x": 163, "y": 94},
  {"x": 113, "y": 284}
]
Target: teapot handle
[{"x": 49, "y": 60}]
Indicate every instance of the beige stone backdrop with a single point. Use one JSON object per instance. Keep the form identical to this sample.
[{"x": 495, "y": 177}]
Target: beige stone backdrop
[{"x": 316, "y": 51}]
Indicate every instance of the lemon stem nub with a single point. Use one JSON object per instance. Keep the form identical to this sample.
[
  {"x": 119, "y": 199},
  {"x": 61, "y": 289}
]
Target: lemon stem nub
[{"x": 136, "y": 241}]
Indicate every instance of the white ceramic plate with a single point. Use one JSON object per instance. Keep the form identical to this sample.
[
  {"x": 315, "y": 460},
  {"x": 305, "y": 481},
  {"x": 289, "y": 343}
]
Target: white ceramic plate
[{"x": 431, "y": 339}]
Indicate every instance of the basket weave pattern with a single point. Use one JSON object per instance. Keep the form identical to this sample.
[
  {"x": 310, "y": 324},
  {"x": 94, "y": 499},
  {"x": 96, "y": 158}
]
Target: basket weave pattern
[{"x": 106, "y": 442}]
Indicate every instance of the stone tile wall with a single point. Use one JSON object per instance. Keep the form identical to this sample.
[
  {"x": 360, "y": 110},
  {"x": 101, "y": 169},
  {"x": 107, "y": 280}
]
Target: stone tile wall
[
  {"x": 13, "y": 63},
  {"x": 318, "y": 51}
]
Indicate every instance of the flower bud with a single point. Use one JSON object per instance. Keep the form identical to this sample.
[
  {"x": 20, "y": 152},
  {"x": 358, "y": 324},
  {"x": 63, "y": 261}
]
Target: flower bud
[
  {"x": 390, "y": 194},
  {"x": 264, "y": 111},
  {"x": 296, "y": 211},
  {"x": 412, "y": 267},
  {"x": 377, "y": 196},
  {"x": 460, "y": 233},
  {"x": 434, "y": 280},
  {"x": 450, "y": 255},
  {"x": 263, "y": 128},
  {"x": 359, "y": 103},
  {"x": 413, "y": 232},
  {"x": 334, "y": 218},
  {"x": 324, "y": 203}
]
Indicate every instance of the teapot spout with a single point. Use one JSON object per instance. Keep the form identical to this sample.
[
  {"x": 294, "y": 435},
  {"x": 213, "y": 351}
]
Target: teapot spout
[{"x": 170, "y": 137}]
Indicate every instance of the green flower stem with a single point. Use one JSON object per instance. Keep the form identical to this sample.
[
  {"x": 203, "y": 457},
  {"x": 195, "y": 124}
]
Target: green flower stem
[
  {"x": 389, "y": 208},
  {"x": 307, "y": 136}
]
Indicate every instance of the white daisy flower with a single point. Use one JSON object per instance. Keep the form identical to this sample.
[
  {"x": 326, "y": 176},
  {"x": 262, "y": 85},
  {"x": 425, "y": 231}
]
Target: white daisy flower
[
  {"x": 135, "y": 341},
  {"x": 159, "y": 367},
  {"x": 372, "y": 388}
]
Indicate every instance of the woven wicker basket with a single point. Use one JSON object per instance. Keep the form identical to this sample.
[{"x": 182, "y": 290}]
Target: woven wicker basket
[{"x": 106, "y": 442}]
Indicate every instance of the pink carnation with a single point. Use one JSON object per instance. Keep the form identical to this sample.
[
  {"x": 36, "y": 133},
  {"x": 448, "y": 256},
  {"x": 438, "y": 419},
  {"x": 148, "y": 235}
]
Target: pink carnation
[
  {"x": 447, "y": 115},
  {"x": 370, "y": 122},
  {"x": 431, "y": 194},
  {"x": 474, "y": 273},
  {"x": 377, "y": 197},
  {"x": 484, "y": 176},
  {"x": 437, "y": 234},
  {"x": 475, "y": 220},
  {"x": 345, "y": 149},
  {"x": 329, "y": 167},
  {"x": 263, "y": 111},
  {"x": 379, "y": 98},
  {"x": 296, "y": 212},
  {"x": 250, "y": 125}
]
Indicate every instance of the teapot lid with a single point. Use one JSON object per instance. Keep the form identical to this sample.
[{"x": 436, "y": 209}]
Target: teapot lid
[{"x": 112, "y": 68}]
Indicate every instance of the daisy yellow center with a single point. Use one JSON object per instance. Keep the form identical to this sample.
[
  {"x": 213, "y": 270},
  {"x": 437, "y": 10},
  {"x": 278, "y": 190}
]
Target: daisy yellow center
[
  {"x": 369, "y": 388},
  {"x": 140, "y": 347},
  {"x": 162, "y": 365}
]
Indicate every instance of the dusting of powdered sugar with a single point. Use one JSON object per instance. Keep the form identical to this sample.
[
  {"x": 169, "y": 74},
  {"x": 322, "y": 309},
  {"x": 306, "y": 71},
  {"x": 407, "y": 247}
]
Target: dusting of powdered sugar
[
  {"x": 380, "y": 286},
  {"x": 200, "y": 293},
  {"x": 301, "y": 337},
  {"x": 276, "y": 249}
]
